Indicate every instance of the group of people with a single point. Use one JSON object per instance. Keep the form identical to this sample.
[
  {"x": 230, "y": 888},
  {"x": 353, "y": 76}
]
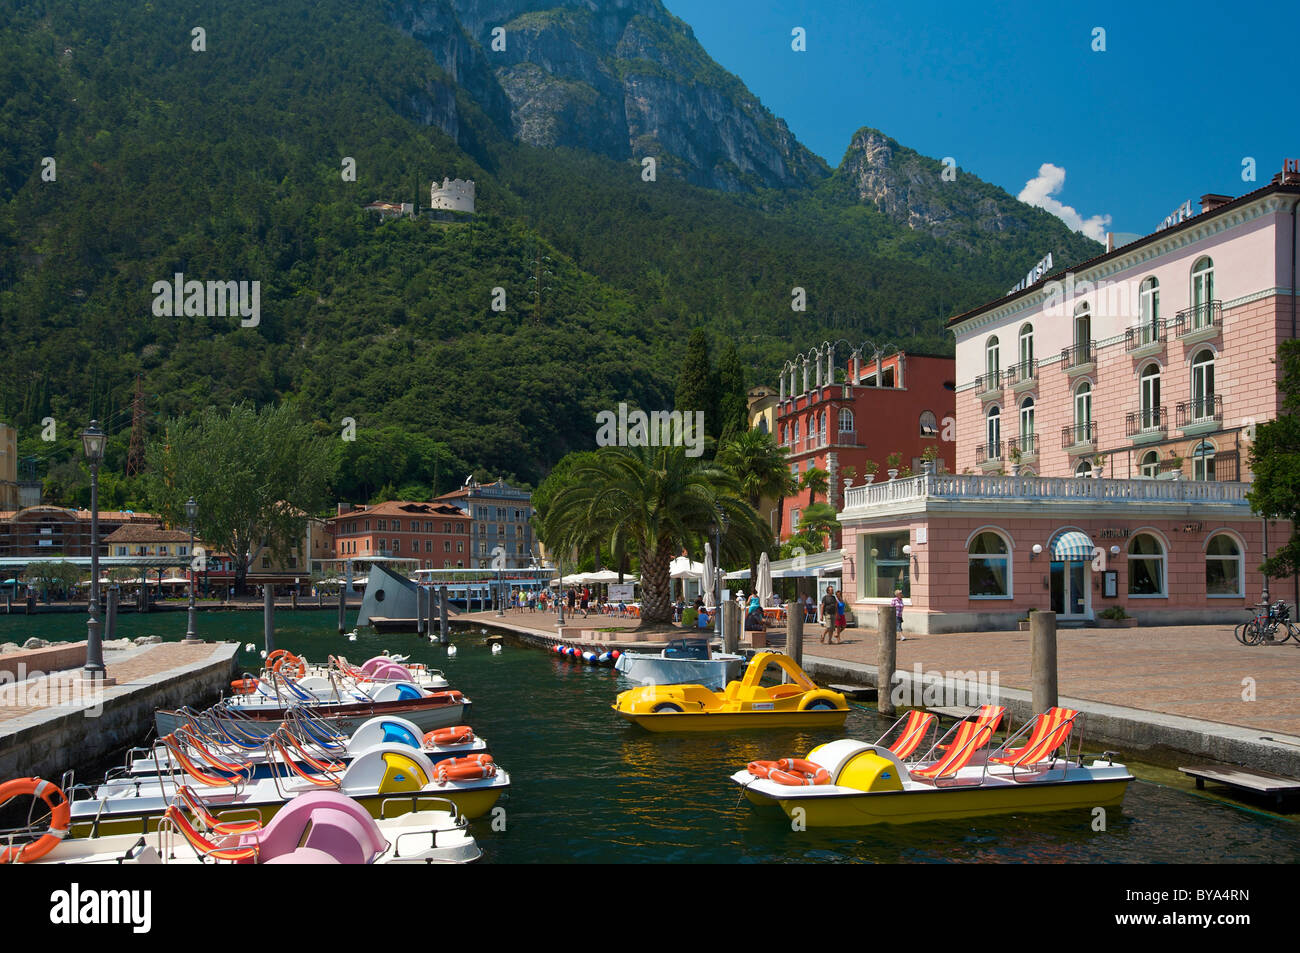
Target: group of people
[
  {"x": 576, "y": 599},
  {"x": 833, "y": 614}
]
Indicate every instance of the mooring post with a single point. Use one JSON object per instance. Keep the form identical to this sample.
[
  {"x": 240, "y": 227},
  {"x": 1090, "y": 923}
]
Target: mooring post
[
  {"x": 343, "y": 609},
  {"x": 268, "y": 619},
  {"x": 1042, "y": 659},
  {"x": 794, "y": 632},
  {"x": 443, "y": 633},
  {"x": 886, "y": 658},
  {"x": 419, "y": 609},
  {"x": 730, "y": 626},
  {"x": 110, "y": 614}
]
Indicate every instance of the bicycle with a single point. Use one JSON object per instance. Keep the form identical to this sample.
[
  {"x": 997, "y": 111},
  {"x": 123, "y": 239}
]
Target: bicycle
[{"x": 1265, "y": 623}]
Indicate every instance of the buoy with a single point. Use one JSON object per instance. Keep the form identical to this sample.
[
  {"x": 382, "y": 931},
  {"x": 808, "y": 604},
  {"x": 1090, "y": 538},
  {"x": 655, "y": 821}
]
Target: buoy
[
  {"x": 604, "y": 657},
  {"x": 615, "y": 654},
  {"x": 496, "y": 649}
]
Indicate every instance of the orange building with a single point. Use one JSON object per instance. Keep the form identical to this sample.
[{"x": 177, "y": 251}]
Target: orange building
[{"x": 436, "y": 534}]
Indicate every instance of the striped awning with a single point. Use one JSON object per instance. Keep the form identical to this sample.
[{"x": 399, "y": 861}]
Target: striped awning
[{"x": 1072, "y": 546}]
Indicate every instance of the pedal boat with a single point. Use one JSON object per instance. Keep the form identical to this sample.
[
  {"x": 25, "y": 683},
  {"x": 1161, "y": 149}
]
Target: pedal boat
[
  {"x": 323, "y": 827},
  {"x": 850, "y": 783},
  {"x": 385, "y": 777},
  {"x": 381, "y": 668},
  {"x": 743, "y": 704},
  {"x": 684, "y": 661},
  {"x": 305, "y": 740}
]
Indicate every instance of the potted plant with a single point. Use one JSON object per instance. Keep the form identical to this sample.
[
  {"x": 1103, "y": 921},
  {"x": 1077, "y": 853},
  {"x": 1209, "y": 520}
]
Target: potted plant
[
  {"x": 1024, "y": 623},
  {"x": 892, "y": 461},
  {"x": 1175, "y": 465},
  {"x": 905, "y": 472},
  {"x": 928, "y": 456},
  {"x": 1098, "y": 465},
  {"x": 1015, "y": 460},
  {"x": 869, "y": 468},
  {"x": 1116, "y": 618}
]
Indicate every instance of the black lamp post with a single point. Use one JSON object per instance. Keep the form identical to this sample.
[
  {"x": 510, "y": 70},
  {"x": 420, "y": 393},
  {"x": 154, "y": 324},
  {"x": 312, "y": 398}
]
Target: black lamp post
[
  {"x": 191, "y": 512},
  {"x": 559, "y": 589},
  {"x": 92, "y": 441}
]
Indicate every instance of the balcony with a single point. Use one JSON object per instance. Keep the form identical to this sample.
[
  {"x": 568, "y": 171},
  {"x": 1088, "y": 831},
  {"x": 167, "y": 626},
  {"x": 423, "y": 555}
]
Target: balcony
[
  {"x": 1077, "y": 438},
  {"x": 1026, "y": 444},
  {"x": 1144, "y": 340},
  {"x": 1080, "y": 359},
  {"x": 988, "y": 453},
  {"x": 1023, "y": 376},
  {"x": 1200, "y": 322},
  {"x": 1201, "y": 414},
  {"x": 847, "y": 438},
  {"x": 1150, "y": 423},
  {"x": 989, "y": 386}
]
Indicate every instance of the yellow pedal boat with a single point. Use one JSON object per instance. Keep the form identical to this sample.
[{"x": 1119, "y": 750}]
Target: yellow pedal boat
[{"x": 743, "y": 704}]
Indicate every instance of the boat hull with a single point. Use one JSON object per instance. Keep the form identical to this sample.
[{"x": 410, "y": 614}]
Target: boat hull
[{"x": 680, "y": 721}]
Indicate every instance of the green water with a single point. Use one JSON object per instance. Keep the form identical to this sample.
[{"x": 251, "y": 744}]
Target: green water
[{"x": 588, "y": 787}]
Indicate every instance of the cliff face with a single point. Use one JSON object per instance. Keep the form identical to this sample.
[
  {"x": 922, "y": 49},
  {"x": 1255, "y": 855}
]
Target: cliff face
[{"x": 622, "y": 78}]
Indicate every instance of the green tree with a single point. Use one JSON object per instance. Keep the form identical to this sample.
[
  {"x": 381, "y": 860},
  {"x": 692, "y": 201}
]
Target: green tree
[
  {"x": 652, "y": 501},
  {"x": 256, "y": 475},
  {"x": 1275, "y": 462},
  {"x": 815, "y": 481},
  {"x": 761, "y": 469},
  {"x": 818, "y": 521},
  {"x": 696, "y": 385},
  {"x": 57, "y": 575},
  {"x": 733, "y": 402}
]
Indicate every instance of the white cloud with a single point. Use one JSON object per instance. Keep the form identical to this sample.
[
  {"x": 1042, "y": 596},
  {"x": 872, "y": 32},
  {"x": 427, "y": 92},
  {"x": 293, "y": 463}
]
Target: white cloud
[{"x": 1039, "y": 190}]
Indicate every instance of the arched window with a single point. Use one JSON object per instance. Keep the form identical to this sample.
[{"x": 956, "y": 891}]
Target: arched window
[
  {"x": 993, "y": 433},
  {"x": 991, "y": 366},
  {"x": 846, "y": 421},
  {"x": 1083, "y": 412},
  {"x": 1149, "y": 397},
  {"x": 1082, "y": 334},
  {"x": 1146, "y": 566},
  {"x": 1203, "y": 461},
  {"x": 1202, "y": 292},
  {"x": 1149, "y": 310},
  {"x": 929, "y": 424},
  {"x": 1224, "y": 567},
  {"x": 1026, "y": 353},
  {"x": 1203, "y": 407},
  {"x": 1027, "y": 439},
  {"x": 1083, "y": 469},
  {"x": 1149, "y": 468},
  {"x": 989, "y": 570},
  {"x": 794, "y": 432}
]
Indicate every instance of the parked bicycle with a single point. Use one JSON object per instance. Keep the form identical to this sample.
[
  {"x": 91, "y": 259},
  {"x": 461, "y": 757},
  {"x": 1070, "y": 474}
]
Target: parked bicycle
[{"x": 1268, "y": 624}]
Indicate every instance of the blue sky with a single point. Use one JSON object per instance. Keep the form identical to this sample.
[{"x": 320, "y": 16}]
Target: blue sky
[{"x": 1180, "y": 96}]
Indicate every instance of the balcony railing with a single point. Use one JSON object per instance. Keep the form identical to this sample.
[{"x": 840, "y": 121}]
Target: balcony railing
[
  {"x": 1143, "y": 335},
  {"x": 988, "y": 451},
  {"x": 1076, "y": 435},
  {"x": 1150, "y": 420},
  {"x": 1026, "y": 443},
  {"x": 987, "y": 383},
  {"x": 1022, "y": 372},
  {"x": 1201, "y": 317},
  {"x": 847, "y": 438},
  {"x": 1082, "y": 354},
  {"x": 1200, "y": 410}
]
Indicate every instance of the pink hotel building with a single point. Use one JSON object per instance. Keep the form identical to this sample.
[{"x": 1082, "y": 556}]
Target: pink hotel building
[{"x": 1104, "y": 418}]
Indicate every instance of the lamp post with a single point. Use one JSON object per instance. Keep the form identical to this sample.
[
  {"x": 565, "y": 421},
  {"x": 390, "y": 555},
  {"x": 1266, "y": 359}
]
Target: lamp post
[
  {"x": 191, "y": 512},
  {"x": 559, "y": 588},
  {"x": 92, "y": 442}
]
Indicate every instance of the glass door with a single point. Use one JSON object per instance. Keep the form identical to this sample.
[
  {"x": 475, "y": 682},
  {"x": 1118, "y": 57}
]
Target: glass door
[{"x": 1070, "y": 593}]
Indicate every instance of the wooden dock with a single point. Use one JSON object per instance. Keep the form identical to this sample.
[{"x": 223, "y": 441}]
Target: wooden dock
[{"x": 1262, "y": 783}]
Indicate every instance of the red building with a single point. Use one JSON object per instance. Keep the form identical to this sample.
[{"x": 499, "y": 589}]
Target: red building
[
  {"x": 860, "y": 413},
  {"x": 437, "y": 534}
]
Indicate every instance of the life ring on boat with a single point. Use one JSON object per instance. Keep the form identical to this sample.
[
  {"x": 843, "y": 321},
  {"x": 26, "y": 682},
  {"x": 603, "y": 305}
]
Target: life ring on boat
[
  {"x": 60, "y": 818},
  {"x": 761, "y": 769},
  {"x": 244, "y": 686},
  {"x": 470, "y": 768},
  {"x": 446, "y": 697},
  {"x": 459, "y": 735},
  {"x": 285, "y": 662},
  {"x": 798, "y": 772}
]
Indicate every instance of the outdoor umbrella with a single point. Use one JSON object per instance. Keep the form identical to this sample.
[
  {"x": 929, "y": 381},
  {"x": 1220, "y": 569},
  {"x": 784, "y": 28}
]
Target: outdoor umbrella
[
  {"x": 763, "y": 586},
  {"x": 708, "y": 576}
]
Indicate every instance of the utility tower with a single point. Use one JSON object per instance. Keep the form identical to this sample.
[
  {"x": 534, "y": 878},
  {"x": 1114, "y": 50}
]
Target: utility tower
[{"x": 135, "y": 456}]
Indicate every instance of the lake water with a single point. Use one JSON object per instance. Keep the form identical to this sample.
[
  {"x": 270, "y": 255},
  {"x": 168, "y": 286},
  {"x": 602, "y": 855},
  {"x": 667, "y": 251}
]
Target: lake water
[{"x": 589, "y": 787}]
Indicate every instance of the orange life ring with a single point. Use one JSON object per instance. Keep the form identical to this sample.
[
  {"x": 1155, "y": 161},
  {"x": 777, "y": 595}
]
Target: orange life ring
[
  {"x": 60, "y": 818},
  {"x": 459, "y": 735},
  {"x": 289, "y": 664},
  {"x": 761, "y": 769},
  {"x": 244, "y": 686},
  {"x": 470, "y": 768},
  {"x": 797, "y": 772},
  {"x": 447, "y": 697}
]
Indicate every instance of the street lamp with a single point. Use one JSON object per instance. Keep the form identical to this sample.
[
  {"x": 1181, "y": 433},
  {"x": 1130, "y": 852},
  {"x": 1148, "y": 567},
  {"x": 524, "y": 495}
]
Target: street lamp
[
  {"x": 559, "y": 588},
  {"x": 191, "y": 512},
  {"x": 92, "y": 442}
]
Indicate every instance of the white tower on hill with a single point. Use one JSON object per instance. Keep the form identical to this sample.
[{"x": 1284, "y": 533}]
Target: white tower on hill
[{"x": 455, "y": 195}]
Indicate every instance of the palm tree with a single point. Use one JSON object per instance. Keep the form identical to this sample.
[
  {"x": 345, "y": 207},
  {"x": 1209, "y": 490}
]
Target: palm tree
[
  {"x": 761, "y": 468},
  {"x": 815, "y": 481},
  {"x": 651, "y": 500},
  {"x": 819, "y": 520}
]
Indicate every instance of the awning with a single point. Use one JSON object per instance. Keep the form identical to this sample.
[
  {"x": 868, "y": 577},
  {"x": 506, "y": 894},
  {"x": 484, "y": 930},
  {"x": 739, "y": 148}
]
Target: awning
[
  {"x": 1072, "y": 546},
  {"x": 817, "y": 564}
]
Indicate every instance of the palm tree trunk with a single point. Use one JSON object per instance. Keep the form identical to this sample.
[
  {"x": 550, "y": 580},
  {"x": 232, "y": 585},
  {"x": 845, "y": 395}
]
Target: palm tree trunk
[{"x": 656, "y": 592}]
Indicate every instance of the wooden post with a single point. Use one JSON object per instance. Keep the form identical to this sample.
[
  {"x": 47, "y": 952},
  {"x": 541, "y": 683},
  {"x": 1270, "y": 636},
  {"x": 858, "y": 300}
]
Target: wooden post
[
  {"x": 443, "y": 632},
  {"x": 794, "y": 632},
  {"x": 886, "y": 659},
  {"x": 419, "y": 609},
  {"x": 268, "y": 619},
  {"x": 730, "y": 626},
  {"x": 343, "y": 609},
  {"x": 1042, "y": 659},
  {"x": 110, "y": 614}
]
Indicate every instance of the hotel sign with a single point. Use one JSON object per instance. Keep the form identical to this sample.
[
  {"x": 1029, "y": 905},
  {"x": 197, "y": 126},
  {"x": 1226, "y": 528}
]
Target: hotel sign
[
  {"x": 1177, "y": 216},
  {"x": 1034, "y": 274}
]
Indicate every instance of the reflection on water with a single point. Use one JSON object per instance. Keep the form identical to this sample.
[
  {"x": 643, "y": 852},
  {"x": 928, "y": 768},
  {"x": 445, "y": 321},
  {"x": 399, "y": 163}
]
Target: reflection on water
[{"x": 589, "y": 787}]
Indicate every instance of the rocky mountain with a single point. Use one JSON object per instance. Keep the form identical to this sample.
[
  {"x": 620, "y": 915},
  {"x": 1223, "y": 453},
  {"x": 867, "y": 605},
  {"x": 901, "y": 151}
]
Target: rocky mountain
[{"x": 622, "y": 78}]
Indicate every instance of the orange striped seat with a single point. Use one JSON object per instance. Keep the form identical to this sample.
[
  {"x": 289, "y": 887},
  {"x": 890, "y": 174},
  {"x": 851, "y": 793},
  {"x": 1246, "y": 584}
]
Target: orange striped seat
[
  {"x": 205, "y": 846},
  {"x": 917, "y": 725},
  {"x": 1051, "y": 730},
  {"x": 211, "y": 780},
  {"x": 970, "y": 737},
  {"x": 200, "y": 811}
]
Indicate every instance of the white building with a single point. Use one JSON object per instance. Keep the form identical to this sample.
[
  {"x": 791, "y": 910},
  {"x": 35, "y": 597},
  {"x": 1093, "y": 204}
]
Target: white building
[{"x": 454, "y": 195}]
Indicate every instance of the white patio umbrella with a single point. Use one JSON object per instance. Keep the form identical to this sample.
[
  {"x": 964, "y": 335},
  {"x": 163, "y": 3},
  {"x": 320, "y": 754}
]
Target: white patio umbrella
[
  {"x": 763, "y": 586},
  {"x": 707, "y": 578}
]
